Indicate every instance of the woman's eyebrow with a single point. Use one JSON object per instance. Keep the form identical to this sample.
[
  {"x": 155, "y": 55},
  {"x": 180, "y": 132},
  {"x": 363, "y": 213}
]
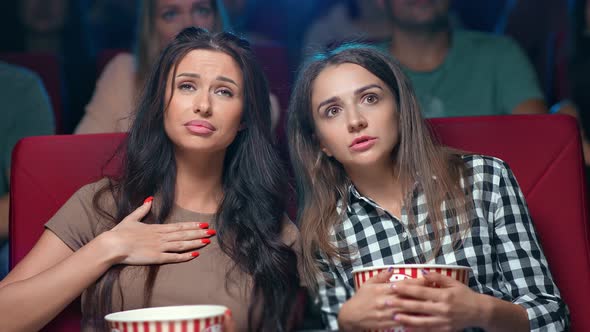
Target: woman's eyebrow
[
  {"x": 189, "y": 75},
  {"x": 227, "y": 79},
  {"x": 327, "y": 101},
  {"x": 366, "y": 87},
  {"x": 219, "y": 78}
]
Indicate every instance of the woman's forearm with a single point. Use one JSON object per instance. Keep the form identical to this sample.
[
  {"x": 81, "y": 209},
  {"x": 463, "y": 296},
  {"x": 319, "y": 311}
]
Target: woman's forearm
[
  {"x": 499, "y": 315},
  {"x": 29, "y": 304}
]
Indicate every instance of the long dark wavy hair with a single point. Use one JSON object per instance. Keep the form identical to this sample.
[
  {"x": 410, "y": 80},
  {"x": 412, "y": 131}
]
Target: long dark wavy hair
[
  {"x": 322, "y": 181},
  {"x": 249, "y": 218}
]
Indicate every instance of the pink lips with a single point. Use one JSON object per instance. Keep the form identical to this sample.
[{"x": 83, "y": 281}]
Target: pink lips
[
  {"x": 362, "y": 143},
  {"x": 200, "y": 127}
]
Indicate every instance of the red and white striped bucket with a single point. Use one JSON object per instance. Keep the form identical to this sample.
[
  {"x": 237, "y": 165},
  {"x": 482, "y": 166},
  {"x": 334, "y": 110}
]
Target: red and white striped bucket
[
  {"x": 409, "y": 271},
  {"x": 188, "y": 318}
]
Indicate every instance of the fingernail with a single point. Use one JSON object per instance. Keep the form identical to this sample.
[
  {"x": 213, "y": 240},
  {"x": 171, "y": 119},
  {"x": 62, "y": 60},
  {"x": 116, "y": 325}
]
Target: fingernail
[
  {"x": 149, "y": 199},
  {"x": 195, "y": 254},
  {"x": 211, "y": 232},
  {"x": 205, "y": 241},
  {"x": 393, "y": 285},
  {"x": 424, "y": 271},
  {"x": 390, "y": 269},
  {"x": 396, "y": 318},
  {"x": 203, "y": 225},
  {"x": 228, "y": 313}
]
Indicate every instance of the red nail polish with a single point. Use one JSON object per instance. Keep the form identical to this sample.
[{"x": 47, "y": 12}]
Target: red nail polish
[
  {"x": 211, "y": 232},
  {"x": 228, "y": 313},
  {"x": 195, "y": 254},
  {"x": 205, "y": 241},
  {"x": 203, "y": 225},
  {"x": 149, "y": 199}
]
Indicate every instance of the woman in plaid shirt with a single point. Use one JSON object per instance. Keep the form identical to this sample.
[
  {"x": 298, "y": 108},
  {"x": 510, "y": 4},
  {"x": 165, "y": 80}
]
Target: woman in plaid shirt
[{"x": 376, "y": 189}]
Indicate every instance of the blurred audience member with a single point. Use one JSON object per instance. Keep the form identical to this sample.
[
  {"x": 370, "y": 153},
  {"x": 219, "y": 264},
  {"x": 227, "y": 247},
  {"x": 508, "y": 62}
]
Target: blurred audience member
[
  {"x": 26, "y": 112},
  {"x": 58, "y": 27},
  {"x": 457, "y": 72},
  {"x": 345, "y": 19},
  {"x": 159, "y": 21},
  {"x": 44, "y": 22}
]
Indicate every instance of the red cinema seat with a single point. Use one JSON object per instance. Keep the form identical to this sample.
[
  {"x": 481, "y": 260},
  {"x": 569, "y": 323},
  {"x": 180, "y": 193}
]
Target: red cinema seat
[
  {"x": 545, "y": 153},
  {"x": 46, "y": 171}
]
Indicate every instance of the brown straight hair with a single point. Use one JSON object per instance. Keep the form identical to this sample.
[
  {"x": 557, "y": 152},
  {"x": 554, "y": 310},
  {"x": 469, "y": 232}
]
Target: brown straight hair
[{"x": 322, "y": 181}]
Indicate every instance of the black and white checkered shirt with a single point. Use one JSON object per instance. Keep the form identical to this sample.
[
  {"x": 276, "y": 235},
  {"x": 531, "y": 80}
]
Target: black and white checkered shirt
[{"x": 501, "y": 248}]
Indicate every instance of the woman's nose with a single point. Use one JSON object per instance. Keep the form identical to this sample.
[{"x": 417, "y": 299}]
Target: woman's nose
[
  {"x": 356, "y": 121},
  {"x": 202, "y": 104}
]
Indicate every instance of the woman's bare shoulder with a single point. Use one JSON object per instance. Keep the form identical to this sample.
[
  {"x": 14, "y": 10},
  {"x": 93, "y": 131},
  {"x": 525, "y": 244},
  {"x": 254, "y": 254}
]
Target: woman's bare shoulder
[{"x": 122, "y": 64}]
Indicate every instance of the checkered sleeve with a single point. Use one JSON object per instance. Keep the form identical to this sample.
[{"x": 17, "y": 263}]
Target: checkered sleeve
[
  {"x": 527, "y": 279},
  {"x": 332, "y": 293}
]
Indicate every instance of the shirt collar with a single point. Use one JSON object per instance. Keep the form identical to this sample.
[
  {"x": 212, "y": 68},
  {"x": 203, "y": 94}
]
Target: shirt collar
[{"x": 354, "y": 196}]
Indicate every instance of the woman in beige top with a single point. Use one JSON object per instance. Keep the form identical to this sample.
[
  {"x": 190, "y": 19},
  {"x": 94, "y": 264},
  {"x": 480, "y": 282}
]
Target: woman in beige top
[
  {"x": 212, "y": 230},
  {"x": 116, "y": 90}
]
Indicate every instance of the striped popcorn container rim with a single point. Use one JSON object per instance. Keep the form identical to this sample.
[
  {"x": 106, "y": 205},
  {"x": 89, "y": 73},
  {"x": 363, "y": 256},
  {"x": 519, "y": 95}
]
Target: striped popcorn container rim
[
  {"x": 187, "y": 317},
  {"x": 411, "y": 271}
]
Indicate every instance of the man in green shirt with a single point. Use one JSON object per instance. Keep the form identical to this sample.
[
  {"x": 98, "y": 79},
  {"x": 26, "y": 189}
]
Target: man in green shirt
[
  {"x": 458, "y": 72},
  {"x": 26, "y": 111}
]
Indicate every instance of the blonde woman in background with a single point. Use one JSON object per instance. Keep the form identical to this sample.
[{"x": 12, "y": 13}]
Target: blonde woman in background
[{"x": 159, "y": 21}]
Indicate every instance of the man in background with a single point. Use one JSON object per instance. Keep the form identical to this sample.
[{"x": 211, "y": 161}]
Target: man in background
[{"x": 458, "y": 72}]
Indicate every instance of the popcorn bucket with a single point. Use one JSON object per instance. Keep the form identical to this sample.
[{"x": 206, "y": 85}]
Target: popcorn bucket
[
  {"x": 409, "y": 271},
  {"x": 188, "y": 318}
]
